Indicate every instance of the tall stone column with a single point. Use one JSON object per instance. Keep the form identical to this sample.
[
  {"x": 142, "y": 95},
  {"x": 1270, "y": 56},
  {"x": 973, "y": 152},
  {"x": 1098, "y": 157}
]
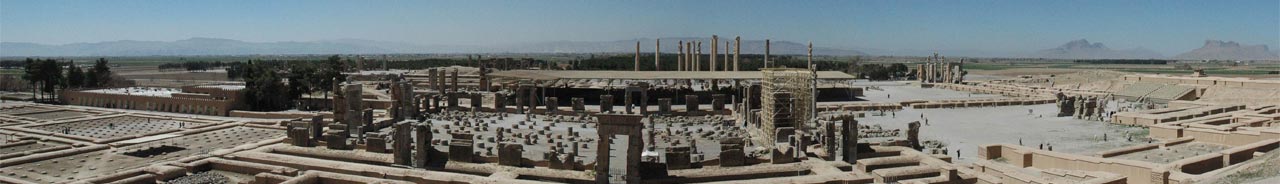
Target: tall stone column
[
  {"x": 680, "y": 55},
  {"x": 637, "y": 64},
  {"x": 697, "y": 58},
  {"x": 688, "y": 54},
  {"x": 766, "y": 53},
  {"x": 453, "y": 80},
  {"x": 810, "y": 66},
  {"x": 737, "y": 49},
  {"x": 657, "y": 54},
  {"x": 726, "y": 56},
  {"x": 431, "y": 76},
  {"x": 715, "y": 41}
]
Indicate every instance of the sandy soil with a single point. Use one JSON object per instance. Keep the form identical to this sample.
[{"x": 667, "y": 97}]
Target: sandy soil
[{"x": 964, "y": 129}]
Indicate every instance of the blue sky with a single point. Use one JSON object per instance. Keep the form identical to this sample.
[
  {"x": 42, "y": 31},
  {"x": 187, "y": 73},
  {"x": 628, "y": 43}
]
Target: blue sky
[{"x": 1168, "y": 27}]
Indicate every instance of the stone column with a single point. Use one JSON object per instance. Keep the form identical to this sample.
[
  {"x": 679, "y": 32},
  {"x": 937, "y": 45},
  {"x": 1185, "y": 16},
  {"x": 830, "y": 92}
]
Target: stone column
[
  {"x": 697, "y": 58},
  {"x": 726, "y": 56},
  {"x": 453, "y": 80},
  {"x": 422, "y": 148},
  {"x": 810, "y": 65},
  {"x": 431, "y": 79},
  {"x": 766, "y": 53},
  {"x": 715, "y": 41},
  {"x": 657, "y": 54},
  {"x": 680, "y": 56},
  {"x": 606, "y": 103},
  {"x": 637, "y": 65},
  {"x": 688, "y": 56},
  {"x": 849, "y": 139},
  {"x": 737, "y": 49}
]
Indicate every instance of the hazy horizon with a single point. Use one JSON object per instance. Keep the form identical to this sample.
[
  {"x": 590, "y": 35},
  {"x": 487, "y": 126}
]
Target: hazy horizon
[{"x": 1166, "y": 27}]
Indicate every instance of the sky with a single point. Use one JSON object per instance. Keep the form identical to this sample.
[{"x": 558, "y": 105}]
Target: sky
[{"x": 1169, "y": 27}]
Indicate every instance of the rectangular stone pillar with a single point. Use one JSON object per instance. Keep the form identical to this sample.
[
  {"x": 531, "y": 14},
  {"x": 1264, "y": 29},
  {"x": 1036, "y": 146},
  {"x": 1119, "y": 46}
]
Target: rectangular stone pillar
[
  {"x": 520, "y": 103},
  {"x": 510, "y": 154},
  {"x": 422, "y": 147},
  {"x": 731, "y": 152},
  {"x": 678, "y": 158},
  {"x": 453, "y": 80},
  {"x": 553, "y": 105},
  {"x": 500, "y": 102},
  {"x": 626, "y": 99},
  {"x": 299, "y": 134},
  {"x": 664, "y": 106},
  {"x": 375, "y": 142},
  {"x": 477, "y": 101},
  {"x": 849, "y": 139},
  {"x": 316, "y": 128},
  {"x": 579, "y": 104},
  {"x": 717, "y": 102},
  {"x": 431, "y": 79},
  {"x": 606, "y": 103},
  {"x": 452, "y": 100},
  {"x": 460, "y": 147},
  {"x": 691, "y": 103},
  {"x": 336, "y": 137},
  {"x": 403, "y": 143}
]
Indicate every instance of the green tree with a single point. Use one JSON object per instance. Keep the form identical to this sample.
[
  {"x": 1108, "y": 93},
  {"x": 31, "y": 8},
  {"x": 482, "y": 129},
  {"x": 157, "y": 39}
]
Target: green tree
[
  {"x": 75, "y": 76},
  {"x": 264, "y": 90},
  {"x": 31, "y": 73},
  {"x": 51, "y": 77},
  {"x": 100, "y": 75}
]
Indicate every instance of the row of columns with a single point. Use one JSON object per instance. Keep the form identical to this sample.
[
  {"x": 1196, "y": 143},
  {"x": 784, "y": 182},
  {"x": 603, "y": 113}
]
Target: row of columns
[{"x": 689, "y": 55}]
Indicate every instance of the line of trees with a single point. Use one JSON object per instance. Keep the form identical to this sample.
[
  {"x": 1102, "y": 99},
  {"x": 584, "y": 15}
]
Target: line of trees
[
  {"x": 48, "y": 76},
  {"x": 274, "y": 85},
  {"x": 194, "y": 65}
]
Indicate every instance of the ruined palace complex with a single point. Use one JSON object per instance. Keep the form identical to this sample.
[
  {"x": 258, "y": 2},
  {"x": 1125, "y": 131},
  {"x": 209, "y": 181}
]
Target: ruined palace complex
[{"x": 709, "y": 121}]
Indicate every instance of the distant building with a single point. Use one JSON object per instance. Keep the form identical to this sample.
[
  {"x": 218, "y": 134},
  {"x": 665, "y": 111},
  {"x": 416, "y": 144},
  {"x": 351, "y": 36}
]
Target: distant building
[{"x": 216, "y": 100}]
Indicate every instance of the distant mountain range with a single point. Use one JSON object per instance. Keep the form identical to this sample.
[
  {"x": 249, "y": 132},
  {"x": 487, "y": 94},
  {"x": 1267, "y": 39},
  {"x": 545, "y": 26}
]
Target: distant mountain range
[
  {"x": 1077, "y": 49},
  {"x": 1216, "y": 49},
  {"x": 217, "y": 46},
  {"x": 1082, "y": 49}
]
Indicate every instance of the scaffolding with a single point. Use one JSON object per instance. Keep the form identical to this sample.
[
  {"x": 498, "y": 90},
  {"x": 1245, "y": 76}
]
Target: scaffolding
[{"x": 787, "y": 100}]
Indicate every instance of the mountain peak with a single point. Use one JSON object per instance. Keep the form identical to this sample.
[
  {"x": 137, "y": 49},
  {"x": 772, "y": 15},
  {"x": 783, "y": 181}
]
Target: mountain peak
[
  {"x": 1220, "y": 43},
  {"x": 1082, "y": 44},
  {"x": 1082, "y": 49},
  {"x": 1230, "y": 50}
]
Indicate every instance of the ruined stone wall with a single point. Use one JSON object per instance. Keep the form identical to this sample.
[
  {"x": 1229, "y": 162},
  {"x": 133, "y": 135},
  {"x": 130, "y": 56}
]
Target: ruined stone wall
[{"x": 150, "y": 103}]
